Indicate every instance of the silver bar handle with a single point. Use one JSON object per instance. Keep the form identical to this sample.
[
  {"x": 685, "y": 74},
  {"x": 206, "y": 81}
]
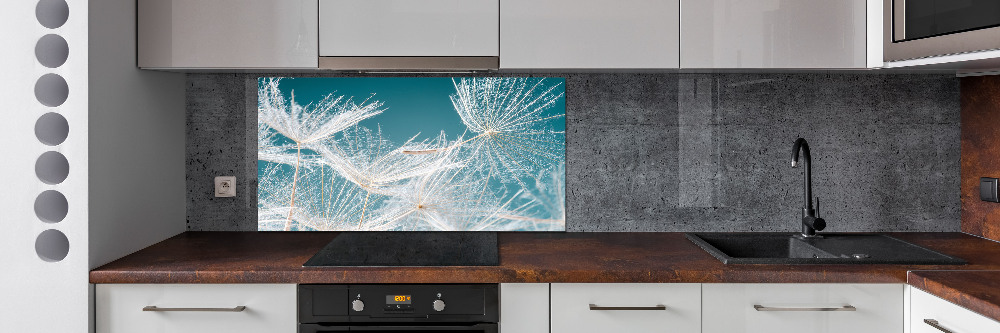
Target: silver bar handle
[
  {"x": 158, "y": 309},
  {"x": 937, "y": 325},
  {"x": 759, "y": 307},
  {"x": 627, "y": 308}
]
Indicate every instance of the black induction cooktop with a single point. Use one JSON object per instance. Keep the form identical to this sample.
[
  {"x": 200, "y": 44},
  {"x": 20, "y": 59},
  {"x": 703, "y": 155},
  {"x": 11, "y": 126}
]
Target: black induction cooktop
[{"x": 409, "y": 248}]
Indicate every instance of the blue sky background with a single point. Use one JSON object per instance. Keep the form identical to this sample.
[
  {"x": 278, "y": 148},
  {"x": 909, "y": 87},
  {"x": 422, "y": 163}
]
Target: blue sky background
[{"x": 415, "y": 104}]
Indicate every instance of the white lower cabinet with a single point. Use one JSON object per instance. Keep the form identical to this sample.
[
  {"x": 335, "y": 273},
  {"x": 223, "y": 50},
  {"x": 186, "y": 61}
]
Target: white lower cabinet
[
  {"x": 930, "y": 314},
  {"x": 570, "y": 308},
  {"x": 196, "y": 308},
  {"x": 626, "y": 307},
  {"x": 802, "y": 308}
]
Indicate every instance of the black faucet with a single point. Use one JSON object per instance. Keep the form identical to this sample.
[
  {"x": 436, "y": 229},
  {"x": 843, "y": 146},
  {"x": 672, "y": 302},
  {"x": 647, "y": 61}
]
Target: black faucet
[{"x": 810, "y": 222}]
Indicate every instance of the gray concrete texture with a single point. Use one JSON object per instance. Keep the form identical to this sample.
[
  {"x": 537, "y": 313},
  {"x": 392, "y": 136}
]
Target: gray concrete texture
[{"x": 682, "y": 152}]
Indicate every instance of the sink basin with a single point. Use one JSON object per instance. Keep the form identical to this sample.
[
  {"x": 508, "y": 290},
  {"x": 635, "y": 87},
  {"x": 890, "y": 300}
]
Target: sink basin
[{"x": 786, "y": 248}]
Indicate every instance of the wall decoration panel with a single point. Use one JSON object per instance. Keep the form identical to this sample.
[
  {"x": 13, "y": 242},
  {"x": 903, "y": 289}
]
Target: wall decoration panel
[{"x": 411, "y": 154}]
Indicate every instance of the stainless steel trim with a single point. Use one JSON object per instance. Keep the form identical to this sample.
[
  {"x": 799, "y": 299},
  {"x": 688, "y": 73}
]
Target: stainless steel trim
[
  {"x": 759, "y": 307},
  {"x": 410, "y": 63},
  {"x": 934, "y": 323},
  {"x": 628, "y": 308},
  {"x": 963, "y": 42},
  {"x": 158, "y": 309}
]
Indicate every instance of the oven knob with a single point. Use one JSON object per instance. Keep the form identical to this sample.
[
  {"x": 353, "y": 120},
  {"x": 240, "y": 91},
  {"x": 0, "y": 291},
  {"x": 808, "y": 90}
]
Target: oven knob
[
  {"x": 438, "y": 305},
  {"x": 358, "y": 305}
]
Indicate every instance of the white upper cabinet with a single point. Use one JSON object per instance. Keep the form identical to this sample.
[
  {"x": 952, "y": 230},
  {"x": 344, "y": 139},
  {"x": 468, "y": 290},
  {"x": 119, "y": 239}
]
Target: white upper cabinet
[
  {"x": 409, "y": 28},
  {"x": 589, "y": 34},
  {"x": 227, "y": 34},
  {"x": 779, "y": 33},
  {"x": 522, "y": 34}
]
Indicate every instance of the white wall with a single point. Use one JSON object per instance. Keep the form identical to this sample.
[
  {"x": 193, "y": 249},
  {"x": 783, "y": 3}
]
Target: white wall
[
  {"x": 126, "y": 127},
  {"x": 137, "y": 184}
]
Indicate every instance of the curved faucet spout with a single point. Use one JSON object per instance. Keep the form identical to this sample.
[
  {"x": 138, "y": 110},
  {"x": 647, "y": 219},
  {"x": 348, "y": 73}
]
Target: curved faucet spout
[
  {"x": 810, "y": 222},
  {"x": 803, "y": 146}
]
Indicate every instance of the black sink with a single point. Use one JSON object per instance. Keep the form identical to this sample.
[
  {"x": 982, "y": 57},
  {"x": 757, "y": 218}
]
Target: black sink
[{"x": 787, "y": 248}]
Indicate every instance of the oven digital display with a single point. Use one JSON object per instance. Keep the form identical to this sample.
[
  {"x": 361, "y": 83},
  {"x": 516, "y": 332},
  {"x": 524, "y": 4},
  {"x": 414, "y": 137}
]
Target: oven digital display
[{"x": 397, "y": 299}]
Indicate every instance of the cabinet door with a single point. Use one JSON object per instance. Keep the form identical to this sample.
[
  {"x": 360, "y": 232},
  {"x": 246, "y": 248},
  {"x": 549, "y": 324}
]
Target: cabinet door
[
  {"x": 802, "y": 308},
  {"x": 626, "y": 307},
  {"x": 409, "y": 28},
  {"x": 951, "y": 317},
  {"x": 773, "y": 34},
  {"x": 227, "y": 34},
  {"x": 589, "y": 34},
  {"x": 269, "y": 308},
  {"x": 524, "y": 308}
]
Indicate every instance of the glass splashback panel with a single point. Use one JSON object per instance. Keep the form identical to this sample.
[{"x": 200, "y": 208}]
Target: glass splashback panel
[{"x": 411, "y": 154}]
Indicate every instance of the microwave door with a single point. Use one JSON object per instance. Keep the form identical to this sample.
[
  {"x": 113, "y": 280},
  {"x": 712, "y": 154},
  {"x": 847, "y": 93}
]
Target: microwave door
[
  {"x": 915, "y": 29},
  {"x": 916, "y": 19}
]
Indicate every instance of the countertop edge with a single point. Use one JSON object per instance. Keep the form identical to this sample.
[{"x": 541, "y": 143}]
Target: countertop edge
[{"x": 931, "y": 282}]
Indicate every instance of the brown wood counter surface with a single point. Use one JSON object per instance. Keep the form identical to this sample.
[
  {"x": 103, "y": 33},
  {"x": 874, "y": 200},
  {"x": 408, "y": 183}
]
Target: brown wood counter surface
[
  {"x": 277, "y": 257},
  {"x": 978, "y": 291}
]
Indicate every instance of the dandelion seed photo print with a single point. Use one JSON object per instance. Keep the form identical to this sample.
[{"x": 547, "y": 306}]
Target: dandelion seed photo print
[{"x": 411, "y": 154}]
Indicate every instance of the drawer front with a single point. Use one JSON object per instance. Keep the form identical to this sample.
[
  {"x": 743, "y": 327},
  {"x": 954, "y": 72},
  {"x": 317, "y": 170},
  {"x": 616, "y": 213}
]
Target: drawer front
[
  {"x": 949, "y": 316},
  {"x": 269, "y": 308},
  {"x": 616, "y": 307},
  {"x": 730, "y": 308}
]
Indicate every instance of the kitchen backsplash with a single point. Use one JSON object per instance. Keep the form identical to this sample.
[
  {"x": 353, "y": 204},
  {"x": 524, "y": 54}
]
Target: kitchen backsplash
[{"x": 681, "y": 152}]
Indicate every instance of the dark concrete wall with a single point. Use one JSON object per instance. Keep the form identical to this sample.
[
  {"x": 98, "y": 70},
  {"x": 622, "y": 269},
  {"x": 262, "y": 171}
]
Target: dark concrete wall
[{"x": 683, "y": 152}]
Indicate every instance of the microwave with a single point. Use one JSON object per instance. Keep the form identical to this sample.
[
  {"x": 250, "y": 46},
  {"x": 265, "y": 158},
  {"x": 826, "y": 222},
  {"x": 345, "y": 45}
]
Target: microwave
[{"x": 915, "y": 29}]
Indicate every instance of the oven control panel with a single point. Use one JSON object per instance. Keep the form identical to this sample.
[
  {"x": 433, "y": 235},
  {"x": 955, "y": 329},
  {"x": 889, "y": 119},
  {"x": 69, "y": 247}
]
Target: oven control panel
[{"x": 398, "y": 303}]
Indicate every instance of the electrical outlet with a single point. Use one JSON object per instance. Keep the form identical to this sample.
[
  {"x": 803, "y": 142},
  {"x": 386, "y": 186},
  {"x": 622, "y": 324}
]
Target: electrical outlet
[{"x": 225, "y": 186}]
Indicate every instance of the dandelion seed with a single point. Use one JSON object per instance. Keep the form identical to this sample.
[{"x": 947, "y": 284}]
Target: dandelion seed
[
  {"x": 513, "y": 124},
  {"x": 338, "y": 211},
  {"x": 544, "y": 205},
  {"x": 305, "y": 124},
  {"x": 373, "y": 163},
  {"x": 310, "y": 123},
  {"x": 448, "y": 200},
  {"x": 268, "y": 150}
]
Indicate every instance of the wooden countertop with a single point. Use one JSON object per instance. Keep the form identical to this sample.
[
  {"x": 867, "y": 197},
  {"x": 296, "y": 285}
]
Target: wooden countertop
[
  {"x": 978, "y": 291},
  {"x": 277, "y": 257}
]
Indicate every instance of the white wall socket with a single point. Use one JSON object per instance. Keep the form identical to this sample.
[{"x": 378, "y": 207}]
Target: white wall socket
[{"x": 225, "y": 186}]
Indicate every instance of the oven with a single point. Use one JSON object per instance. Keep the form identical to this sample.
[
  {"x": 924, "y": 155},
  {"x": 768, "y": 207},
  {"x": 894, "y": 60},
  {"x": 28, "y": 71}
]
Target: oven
[
  {"x": 927, "y": 28},
  {"x": 388, "y": 308}
]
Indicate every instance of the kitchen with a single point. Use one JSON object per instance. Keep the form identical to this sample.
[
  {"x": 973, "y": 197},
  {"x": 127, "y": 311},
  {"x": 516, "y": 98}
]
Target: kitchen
[{"x": 685, "y": 128}]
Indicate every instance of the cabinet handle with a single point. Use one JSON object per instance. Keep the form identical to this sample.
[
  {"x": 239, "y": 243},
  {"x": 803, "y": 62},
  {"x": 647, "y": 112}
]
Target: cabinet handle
[
  {"x": 935, "y": 324},
  {"x": 630, "y": 308},
  {"x": 233, "y": 309},
  {"x": 759, "y": 307}
]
